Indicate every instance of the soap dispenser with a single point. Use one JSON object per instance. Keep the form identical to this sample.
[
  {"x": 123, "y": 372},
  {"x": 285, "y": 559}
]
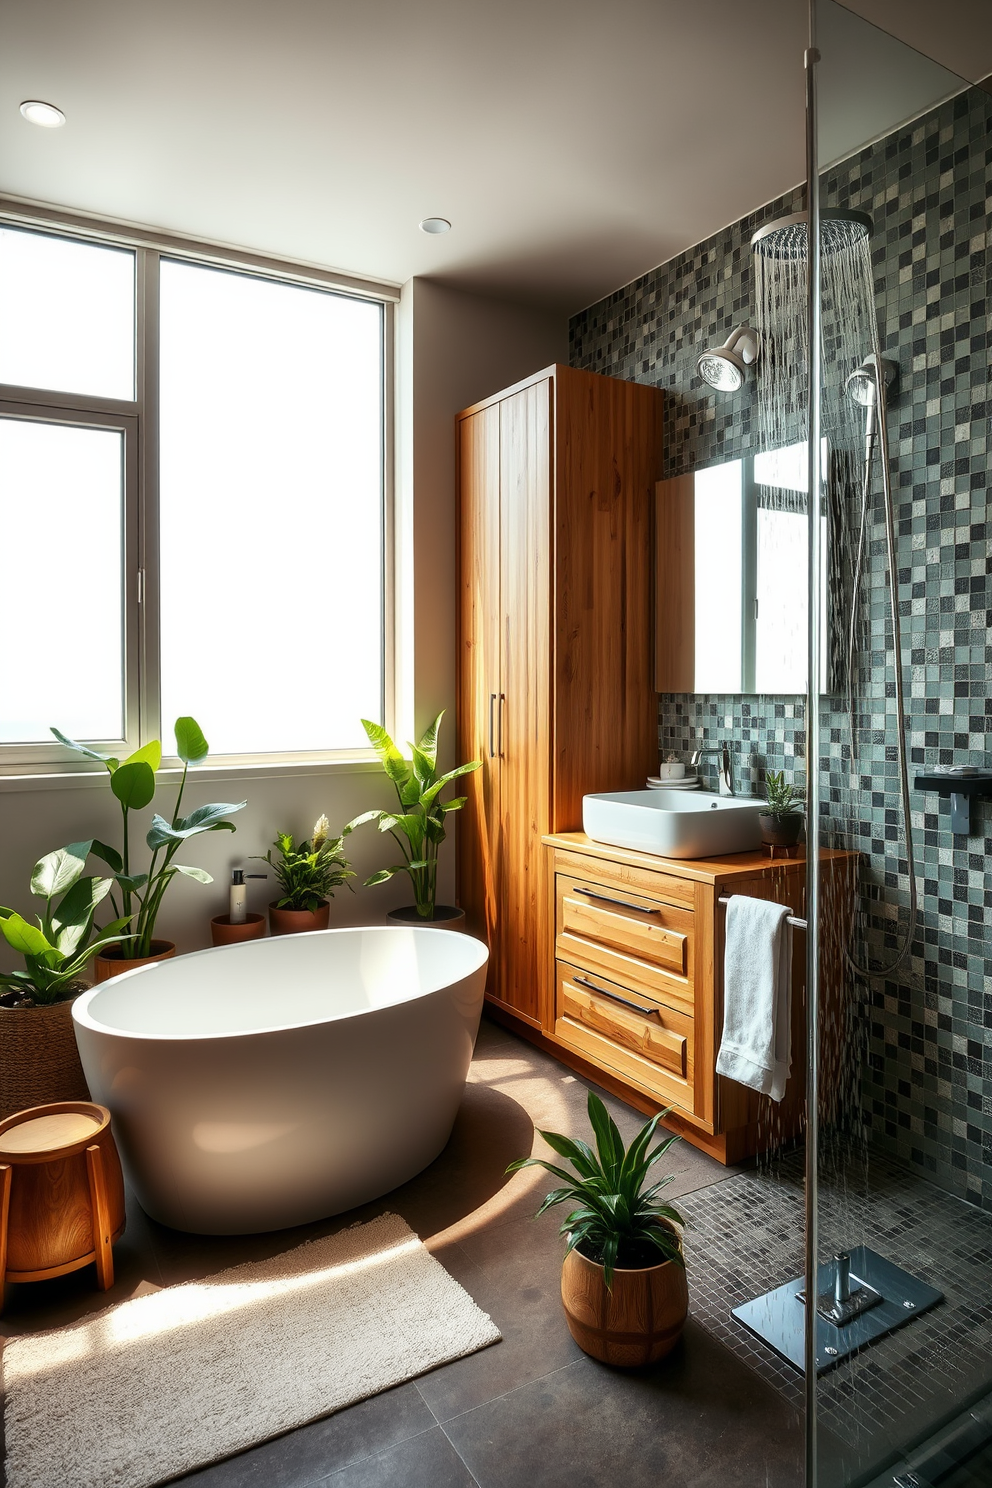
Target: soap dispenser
[{"x": 239, "y": 895}]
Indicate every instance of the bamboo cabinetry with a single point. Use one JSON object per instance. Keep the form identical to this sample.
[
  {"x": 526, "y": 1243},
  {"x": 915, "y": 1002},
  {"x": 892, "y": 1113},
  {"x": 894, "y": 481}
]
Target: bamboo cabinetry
[
  {"x": 556, "y": 693},
  {"x": 639, "y": 944}
]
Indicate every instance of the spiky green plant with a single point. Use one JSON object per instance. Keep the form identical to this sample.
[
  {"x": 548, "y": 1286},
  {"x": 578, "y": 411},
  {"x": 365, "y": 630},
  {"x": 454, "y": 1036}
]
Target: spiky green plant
[
  {"x": 784, "y": 799},
  {"x": 617, "y": 1220}
]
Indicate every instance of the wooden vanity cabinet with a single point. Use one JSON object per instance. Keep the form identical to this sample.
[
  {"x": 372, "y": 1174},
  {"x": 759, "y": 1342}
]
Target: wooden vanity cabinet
[
  {"x": 556, "y": 694},
  {"x": 638, "y": 946}
]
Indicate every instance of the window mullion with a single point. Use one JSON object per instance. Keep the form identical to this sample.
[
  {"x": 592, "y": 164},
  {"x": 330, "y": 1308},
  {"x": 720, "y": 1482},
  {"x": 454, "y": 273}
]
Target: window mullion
[{"x": 149, "y": 697}]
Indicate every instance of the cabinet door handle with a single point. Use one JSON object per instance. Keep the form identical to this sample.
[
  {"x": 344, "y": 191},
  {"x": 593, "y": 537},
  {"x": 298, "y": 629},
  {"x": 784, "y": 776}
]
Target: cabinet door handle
[
  {"x": 499, "y": 729},
  {"x": 492, "y": 746},
  {"x": 611, "y": 899},
  {"x": 645, "y": 1012}
]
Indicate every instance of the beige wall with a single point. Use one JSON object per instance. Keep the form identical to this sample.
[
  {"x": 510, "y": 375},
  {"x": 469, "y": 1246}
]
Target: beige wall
[{"x": 452, "y": 349}]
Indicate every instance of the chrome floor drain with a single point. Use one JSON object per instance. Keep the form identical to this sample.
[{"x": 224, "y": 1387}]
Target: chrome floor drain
[{"x": 874, "y": 1299}]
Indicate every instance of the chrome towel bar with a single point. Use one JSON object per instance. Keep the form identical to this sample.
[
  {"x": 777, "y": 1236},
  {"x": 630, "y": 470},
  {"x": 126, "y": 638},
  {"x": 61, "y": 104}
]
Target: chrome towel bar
[{"x": 792, "y": 919}]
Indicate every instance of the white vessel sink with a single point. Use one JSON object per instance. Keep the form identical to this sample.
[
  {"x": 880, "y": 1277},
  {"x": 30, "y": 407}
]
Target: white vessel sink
[{"x": 672, "y": 823}]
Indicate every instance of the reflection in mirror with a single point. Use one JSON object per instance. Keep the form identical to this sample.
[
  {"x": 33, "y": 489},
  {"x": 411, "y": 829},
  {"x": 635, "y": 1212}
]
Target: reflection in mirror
[{"x": 732, "y": 579}]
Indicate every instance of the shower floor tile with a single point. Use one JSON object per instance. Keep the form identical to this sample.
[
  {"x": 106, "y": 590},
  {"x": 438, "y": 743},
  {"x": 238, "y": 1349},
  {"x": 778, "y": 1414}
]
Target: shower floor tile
[{"x": 745, "y": 1237}]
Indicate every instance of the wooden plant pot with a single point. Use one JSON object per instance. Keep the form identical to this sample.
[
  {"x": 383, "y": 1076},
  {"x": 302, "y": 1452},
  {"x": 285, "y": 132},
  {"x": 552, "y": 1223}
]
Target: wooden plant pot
[
  {"x": 637, "y": 1323},
  {"x": 780, "y": 831},
  {"x": 292, "y": 921},
  {"x": 61, "y": 1193},
  {"x": 446, "y": 917},
  {"x": 112, "y": 961},
  {"x": 39, "y": 1061},
  {"x": 222, "y": 932}
]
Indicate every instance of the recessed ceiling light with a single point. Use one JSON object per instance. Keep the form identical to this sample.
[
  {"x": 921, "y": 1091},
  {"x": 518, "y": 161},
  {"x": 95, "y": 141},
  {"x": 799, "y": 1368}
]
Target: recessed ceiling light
[
  {"x": 44, "y": 114},
  {"x": 435, "y": 225}
]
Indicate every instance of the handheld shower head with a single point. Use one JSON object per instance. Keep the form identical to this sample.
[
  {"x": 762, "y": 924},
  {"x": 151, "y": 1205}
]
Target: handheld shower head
[{"x": 862, "y": 385}]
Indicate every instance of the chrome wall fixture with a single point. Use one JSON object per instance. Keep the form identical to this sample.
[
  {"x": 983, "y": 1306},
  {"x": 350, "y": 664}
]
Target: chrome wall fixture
[{"x": 725, "y": 367}]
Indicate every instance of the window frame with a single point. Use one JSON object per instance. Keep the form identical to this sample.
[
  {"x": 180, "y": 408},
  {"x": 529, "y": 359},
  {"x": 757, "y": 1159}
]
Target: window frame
[{"x": 139, "y": 419}]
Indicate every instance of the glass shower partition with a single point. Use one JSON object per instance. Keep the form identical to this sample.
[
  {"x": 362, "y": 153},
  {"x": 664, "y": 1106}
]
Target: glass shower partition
[{"x": 899, "y": 1181}]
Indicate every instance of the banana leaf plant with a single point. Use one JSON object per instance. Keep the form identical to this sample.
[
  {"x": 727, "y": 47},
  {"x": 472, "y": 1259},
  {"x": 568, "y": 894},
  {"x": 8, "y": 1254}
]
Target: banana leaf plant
[
  {"x": 138, "y": 896},
  {"x": 617, "y": 1221},
  {"x": 418, "y": 827}
]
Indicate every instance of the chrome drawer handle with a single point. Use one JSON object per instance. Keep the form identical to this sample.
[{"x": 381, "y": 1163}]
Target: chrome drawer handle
[
  {"x": 492, "y": 746},
  {"x": 645, "y": 1012},
  {"x": 623, "y": 903}
]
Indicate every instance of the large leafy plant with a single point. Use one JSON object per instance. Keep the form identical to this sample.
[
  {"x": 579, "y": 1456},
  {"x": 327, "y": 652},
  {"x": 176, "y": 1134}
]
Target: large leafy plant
[
  {"x": 138, "y": 896},
  {"x": 309, "y": 874},
  {"x": 616, "y": 1221},
  {"x": 418, "y": 827},
  {"x": 57, "y": 948}
]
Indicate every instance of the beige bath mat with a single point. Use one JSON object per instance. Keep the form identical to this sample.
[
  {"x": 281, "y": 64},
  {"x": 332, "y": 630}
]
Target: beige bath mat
[{"x": 157, "y": 1386}]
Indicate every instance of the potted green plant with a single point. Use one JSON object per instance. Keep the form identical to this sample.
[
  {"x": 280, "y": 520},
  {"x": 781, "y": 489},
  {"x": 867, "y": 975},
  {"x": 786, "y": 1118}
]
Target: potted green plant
[
  {"x": 140, "y": 894},
  {"x": 418, "y": 827},
  {"x": 308, "y": 875},
  {"x": 782, "y": 822},
  {"x": 39, "y": 1061},
  {"x": 623, "y": 1281}
]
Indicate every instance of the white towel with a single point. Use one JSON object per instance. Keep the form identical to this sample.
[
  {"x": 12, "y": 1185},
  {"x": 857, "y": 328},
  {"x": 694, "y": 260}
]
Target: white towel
[{"x": 756, "y": 1048}]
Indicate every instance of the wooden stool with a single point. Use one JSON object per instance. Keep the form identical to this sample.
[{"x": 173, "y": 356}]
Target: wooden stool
[{"x": 61, "y": 1193}]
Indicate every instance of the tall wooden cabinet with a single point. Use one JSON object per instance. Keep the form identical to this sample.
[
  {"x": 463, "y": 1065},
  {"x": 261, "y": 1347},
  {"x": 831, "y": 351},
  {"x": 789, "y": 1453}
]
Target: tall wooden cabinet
[{"x": 556, "y": 688}]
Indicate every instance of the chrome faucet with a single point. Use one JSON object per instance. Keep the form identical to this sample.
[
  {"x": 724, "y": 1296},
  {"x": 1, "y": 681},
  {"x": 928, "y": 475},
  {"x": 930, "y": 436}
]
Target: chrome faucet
[{"x": 726, "y": 771}]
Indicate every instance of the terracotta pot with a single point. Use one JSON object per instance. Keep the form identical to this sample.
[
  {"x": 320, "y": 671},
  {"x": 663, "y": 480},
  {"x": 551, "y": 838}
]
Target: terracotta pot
[
  {"x": 222, "y": 932},
  {"x": 780, "y": 831},
  {"x": 637, "y": 1323},
  {"x": 112, "y": 962},
  {"x": 39, "y": 1061},
  {"x": 292, "y": 921},
  {"x": 446, "y": 917}
]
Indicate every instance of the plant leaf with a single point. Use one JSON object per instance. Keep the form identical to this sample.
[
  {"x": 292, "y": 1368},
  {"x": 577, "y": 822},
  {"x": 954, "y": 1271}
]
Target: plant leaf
[
  {"x": 384, "y": 875},
  {"x": 199, "y": 874},
  {"x": 108, "y": 855},
  {"x": 428, "y": 743},
  {"x": 203, "y": 819},
  {"x": 105, "y": 759},
  {"x": 433, "y": 791},
  {"x": 23, "y": 937},
  {"x": 57, "y": 871},
  {"x": 366, "y": 816},
  {"x": 133, "y": 784},
  {"x": 149, "y": 754},
  {"x": 455, "y": 805},
  {"x": 191, "y": 746},
  {"x": 77, "y": 908},
  {"x": 395, "y": 766}
]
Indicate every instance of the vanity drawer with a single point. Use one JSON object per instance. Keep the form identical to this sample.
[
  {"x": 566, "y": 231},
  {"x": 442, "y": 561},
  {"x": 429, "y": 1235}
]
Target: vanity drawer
[
  {"x": 632, "y": 923},
  {"x": 619, "y": 1028}
]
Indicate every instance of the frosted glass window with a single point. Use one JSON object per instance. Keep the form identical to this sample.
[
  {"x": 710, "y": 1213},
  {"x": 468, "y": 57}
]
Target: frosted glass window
[
  {"x": 61, "y": 581},
  {"x": 271, "y": 512},
  {"x": 67, "y": 313},
  {"x": 718, "y": 544}
]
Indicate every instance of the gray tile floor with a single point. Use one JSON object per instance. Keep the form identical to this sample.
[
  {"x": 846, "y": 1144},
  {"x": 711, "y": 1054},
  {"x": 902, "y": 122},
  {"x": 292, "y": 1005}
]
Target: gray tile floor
[{"x": 533, "y": 1409}]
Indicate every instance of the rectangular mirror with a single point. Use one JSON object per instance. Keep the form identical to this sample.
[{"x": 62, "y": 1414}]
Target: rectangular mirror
[{"x": 731, "y": 578}]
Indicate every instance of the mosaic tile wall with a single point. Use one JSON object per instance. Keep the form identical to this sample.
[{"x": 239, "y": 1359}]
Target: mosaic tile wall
[{"x": 926, "y": 1090}]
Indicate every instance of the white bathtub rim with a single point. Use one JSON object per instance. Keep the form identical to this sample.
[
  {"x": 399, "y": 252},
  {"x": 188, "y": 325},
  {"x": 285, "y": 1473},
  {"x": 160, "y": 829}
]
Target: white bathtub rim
[{"x": 81, "y": 1014}]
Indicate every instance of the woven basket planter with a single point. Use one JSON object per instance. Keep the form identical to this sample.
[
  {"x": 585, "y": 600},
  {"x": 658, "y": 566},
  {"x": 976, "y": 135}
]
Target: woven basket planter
[{"x": 39, "y": 1061}]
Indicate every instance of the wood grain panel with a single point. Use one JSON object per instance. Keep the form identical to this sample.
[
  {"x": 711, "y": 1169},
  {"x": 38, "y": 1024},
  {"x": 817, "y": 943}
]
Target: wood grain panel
[
  {"x": 608, "y": 455},
  {"x": 645, "y": 977},
  {"x": 675, "y": 585},
  {"x": 479, "y": 675},
  {"x": 659, "y": 933},
  {"x": 524, "y": 723},
  {"x": 644, "y": 1034}
]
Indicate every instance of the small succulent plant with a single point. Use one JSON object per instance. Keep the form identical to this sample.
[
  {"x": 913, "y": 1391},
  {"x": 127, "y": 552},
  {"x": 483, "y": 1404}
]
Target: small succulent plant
[{"x": 783, "y": 797}]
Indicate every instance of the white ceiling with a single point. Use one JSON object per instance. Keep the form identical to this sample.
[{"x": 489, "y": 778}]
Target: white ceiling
[{"x": 574, "y": 144}]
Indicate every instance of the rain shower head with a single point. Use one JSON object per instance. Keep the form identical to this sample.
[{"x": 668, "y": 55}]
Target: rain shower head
[
  {"x": 862, "y": 385},
  {"x": 725, "y": 367},
  {"x": 786, "y": 238}
]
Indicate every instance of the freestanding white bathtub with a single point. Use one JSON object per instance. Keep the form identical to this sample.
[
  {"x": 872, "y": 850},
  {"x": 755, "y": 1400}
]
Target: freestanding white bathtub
[{"x": 267, "y": 1084}]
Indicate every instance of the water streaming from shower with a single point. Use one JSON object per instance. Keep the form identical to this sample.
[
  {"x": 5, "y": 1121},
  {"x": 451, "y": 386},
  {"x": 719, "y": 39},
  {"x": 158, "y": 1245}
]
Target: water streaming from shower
[{"x": 855, "y": 436}]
